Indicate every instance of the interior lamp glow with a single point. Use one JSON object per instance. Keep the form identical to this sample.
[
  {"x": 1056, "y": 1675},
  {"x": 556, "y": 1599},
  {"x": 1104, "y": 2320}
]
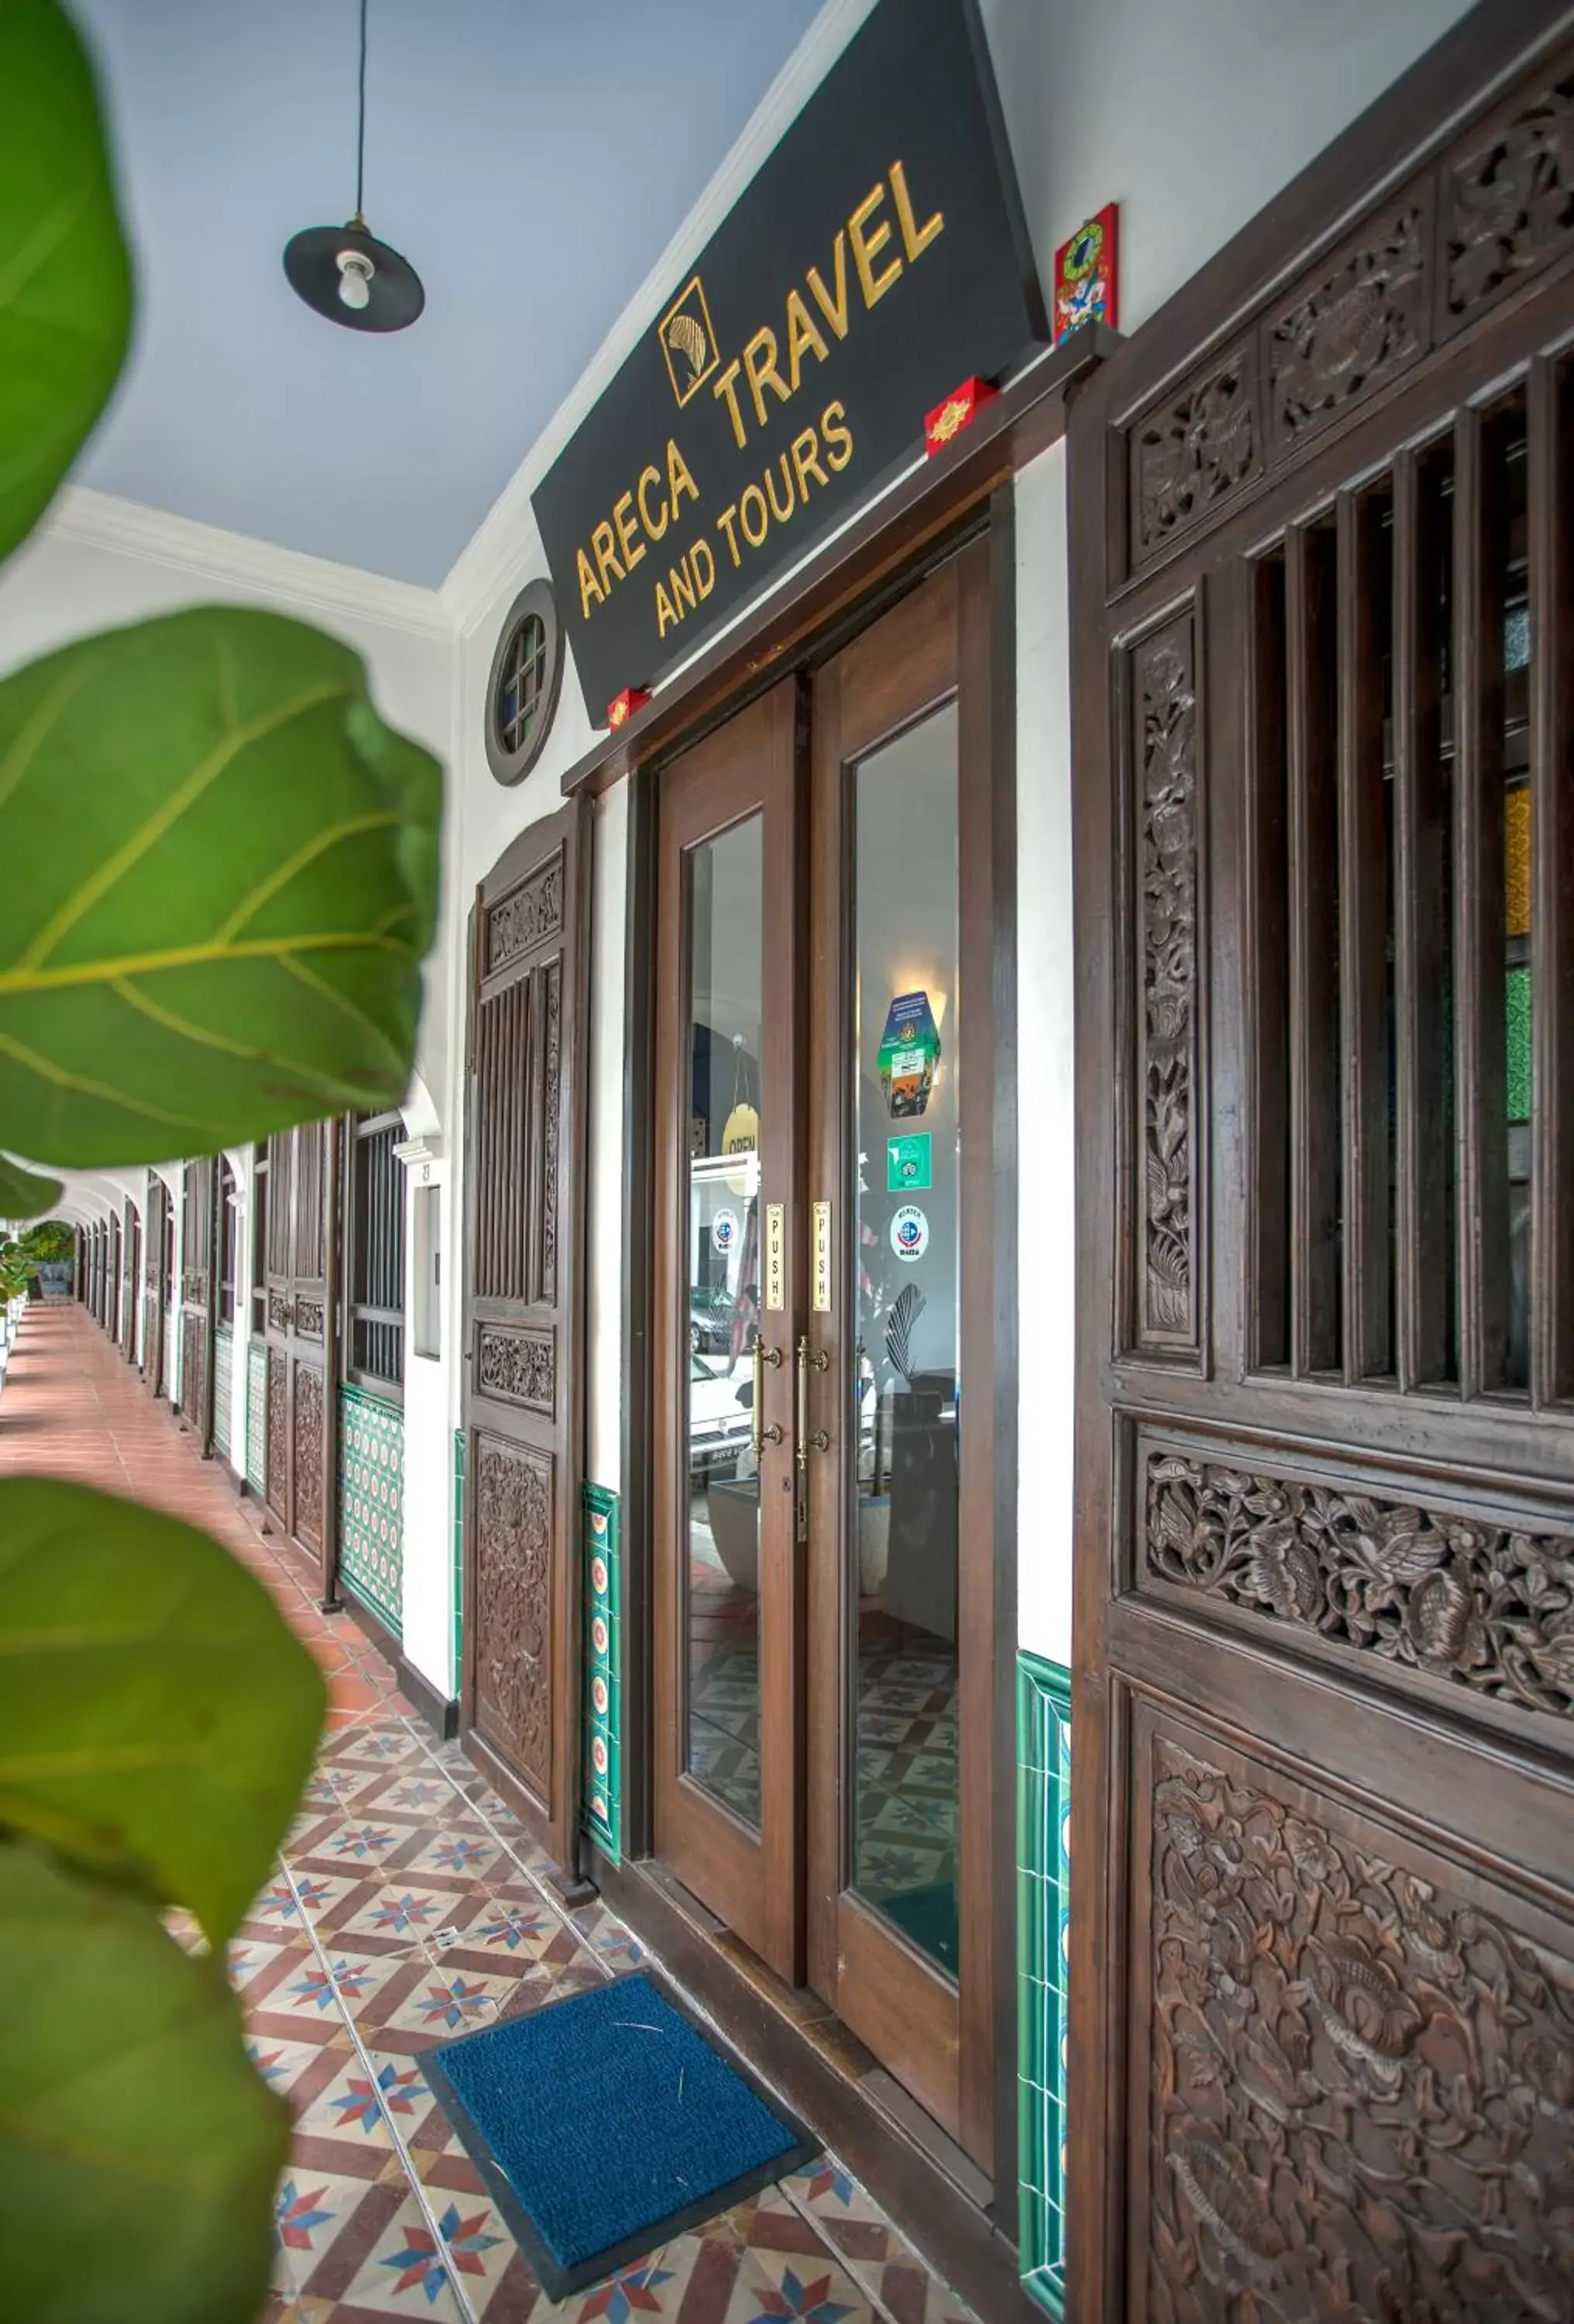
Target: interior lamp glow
[{"x": 344, "y": 273}]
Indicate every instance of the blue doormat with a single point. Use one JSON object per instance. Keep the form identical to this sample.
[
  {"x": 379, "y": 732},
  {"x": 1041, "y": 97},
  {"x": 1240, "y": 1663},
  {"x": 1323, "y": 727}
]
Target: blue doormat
[{"x": 606, "y": 2123}]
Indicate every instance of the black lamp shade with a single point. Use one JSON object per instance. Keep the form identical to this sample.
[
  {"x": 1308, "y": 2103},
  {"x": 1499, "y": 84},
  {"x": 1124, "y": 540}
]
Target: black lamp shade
[{"x": 311, "y": 262}]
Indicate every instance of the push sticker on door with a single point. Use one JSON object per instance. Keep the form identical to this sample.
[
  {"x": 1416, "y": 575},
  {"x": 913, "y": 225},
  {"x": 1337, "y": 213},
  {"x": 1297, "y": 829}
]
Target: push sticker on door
[
  {"x": 909, "y": 1165},
  {"x": 910, "y": 1231},
  {"x": 908, "y": 1053}
]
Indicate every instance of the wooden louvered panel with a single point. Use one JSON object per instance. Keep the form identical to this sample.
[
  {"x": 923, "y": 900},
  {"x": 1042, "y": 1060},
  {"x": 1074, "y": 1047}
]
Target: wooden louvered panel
[
  {"x": 503, "y": 1188},
  {"x": 1550, "y": 495},
  {"x": 310, "y": 1153},
  {"x": 523, "y": 1399},
  {"x": 280, "y": 1151},
  {"x": 1337, "y": 1552}
]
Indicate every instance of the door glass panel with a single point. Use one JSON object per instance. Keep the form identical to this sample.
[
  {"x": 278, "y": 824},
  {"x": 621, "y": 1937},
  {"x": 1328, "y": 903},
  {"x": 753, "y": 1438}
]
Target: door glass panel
[
  {"x": 904, "y": 1380},
  {"x": 726, "y": 912}
]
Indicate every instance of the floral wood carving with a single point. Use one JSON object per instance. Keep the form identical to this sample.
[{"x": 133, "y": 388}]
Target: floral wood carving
[
  {"x": 194, "y": 1286},
  {"x": 1361, "y": 2085},
  {"x": 1167, "y": 720},
  {"x": 278, "y": 1467},
  {"x": 1488, "y": 1606},
  {"x": 1359, "y": 326},
  {"x": 309, "y": 1318},
  {"x": 518, "y": 1367},
  {"x": 1192, "y": 453},
  {"x": 1510, "y": 205},
  {"x": 309, "y": 1456},
  {"x": 194, "y": 1370},
  {"x": 526, "y": 917},
  {"x": 551, "y": 1105},
  {"x": 513, "y": 1543}
]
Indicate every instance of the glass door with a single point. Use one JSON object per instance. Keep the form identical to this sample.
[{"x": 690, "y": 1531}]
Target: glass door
[
  {"x": 900, "y": 1683},
  {"x": 727, "y": 1688}
]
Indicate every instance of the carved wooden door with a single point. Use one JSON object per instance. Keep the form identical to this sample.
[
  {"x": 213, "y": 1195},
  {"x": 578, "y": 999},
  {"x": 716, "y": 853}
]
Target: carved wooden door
[
  {"x": 523, "y": 1392},
  {"x": 297, "y": 1263},
  {"x": 130, "y": 1247},
  {"x": 197, "y": 1223},
  {"x": 1322, "y": 2003},
  {"x": 151, "y": 1297}
]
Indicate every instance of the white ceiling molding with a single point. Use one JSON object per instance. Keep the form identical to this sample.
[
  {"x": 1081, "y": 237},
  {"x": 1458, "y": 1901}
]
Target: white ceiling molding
[
  {"x": 129, "y": 529},
  {"x": 505, "y": 547}
]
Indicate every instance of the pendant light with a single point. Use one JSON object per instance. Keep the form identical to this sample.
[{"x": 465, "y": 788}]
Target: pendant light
[{"x": 346, "y": 273}]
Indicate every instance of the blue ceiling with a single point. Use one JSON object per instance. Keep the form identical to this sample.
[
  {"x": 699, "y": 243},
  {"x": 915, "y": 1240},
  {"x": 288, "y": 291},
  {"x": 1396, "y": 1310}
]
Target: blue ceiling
[{"x": 530, "y": 158}]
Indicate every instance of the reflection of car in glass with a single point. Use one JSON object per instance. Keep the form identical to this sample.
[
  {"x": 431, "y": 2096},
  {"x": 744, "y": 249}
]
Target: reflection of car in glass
[
  {"x": 718, "y": 1414},
  {"x": 710, "y": 1320}
]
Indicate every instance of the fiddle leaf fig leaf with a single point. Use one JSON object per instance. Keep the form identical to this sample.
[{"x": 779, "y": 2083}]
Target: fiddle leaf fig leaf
[
  {"x": 157, "y": 1714},
  {"x": 222, "y": 880},
  {"x": 23, "y": 1195},
  {"x": 140, "y": 2150},
  {"x": 65, "y": 278}
]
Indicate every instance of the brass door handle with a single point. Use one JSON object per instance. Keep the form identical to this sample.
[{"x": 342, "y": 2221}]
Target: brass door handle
[
  {"x": 759, "y": 1434},
  {"x": 809, "y": 1360}
]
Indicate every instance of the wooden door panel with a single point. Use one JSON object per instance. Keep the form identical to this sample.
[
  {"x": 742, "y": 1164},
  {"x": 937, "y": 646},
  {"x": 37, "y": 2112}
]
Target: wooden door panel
[
  {"x": 297, "y": 1329},
  {"x": 728, "y": 1813},
  {"x": 1321, "y": 1994},
  {"x": 308, "y": 1431},
  {"x": 524, "y": 1395},
  {"x": 1351, "y": 2053},
  {"x": 515, "y": 1525},
  {"x": 277, "y": 1453}
]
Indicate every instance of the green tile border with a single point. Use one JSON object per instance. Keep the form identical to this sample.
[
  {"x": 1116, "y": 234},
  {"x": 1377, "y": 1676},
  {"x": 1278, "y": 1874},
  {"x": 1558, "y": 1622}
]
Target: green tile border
[
  {"x": 602, "y": 1806},
  {"x": 372, "y": 1503},
  {"x": 222, "y": 1387},
  {"x": 1044, "y": 1729},
  {"x": 257, "y": 1415}
]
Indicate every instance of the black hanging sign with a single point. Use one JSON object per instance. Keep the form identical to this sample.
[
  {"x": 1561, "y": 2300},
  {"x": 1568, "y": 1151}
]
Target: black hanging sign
[{"x": 879, "y": 258}]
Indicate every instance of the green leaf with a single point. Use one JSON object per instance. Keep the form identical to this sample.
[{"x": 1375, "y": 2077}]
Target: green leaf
[
  {"x": 222, "y": 878},
  {"x": 157, "y": 1715},
  {"x": 65, "y": 278},
  {"x": 23, "y": 1194},
  {"x": 138, "y": 2149}
]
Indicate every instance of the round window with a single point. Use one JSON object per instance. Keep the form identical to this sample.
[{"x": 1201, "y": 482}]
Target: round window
[{"x": 521, "y": 692}]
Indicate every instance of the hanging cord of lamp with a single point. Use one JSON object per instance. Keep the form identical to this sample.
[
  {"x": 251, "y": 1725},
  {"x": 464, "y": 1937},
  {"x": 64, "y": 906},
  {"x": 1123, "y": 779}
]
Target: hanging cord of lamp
[{"x": 345, "y": 272}]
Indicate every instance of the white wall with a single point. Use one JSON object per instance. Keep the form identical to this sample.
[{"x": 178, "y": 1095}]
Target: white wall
[
  {"x": 487, "y": 817},
  {"x": 1192, "y": 113}
]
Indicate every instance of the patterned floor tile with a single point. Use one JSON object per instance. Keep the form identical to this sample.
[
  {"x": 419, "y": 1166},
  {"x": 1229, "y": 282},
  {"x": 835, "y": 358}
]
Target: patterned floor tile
[
  {"x": 406, "y": 2270},
  {"x": 361, "y": 1952},
  {"x": 796, "y": 2288}
]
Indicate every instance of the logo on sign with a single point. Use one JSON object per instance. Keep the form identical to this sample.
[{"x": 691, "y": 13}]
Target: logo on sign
[
  {"x": 688, "y": 342},
  {"x": 725, "y": 1231},
  {"x": 909, "y": 1232}
]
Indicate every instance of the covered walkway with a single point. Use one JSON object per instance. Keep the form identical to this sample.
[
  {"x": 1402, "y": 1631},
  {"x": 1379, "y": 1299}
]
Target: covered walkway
[{"x": 407, "y": 1908}]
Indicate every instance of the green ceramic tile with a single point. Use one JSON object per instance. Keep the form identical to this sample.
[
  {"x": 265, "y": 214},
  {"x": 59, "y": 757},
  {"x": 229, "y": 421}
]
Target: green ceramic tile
[
  {"x": 1043, "y": 1799},
  {"x": 372, "y": 1504},
  {"x": 1517, "y": 1002},
  {"x": 222, "y": 1388},
  {"x": 257, "y": 1416}
]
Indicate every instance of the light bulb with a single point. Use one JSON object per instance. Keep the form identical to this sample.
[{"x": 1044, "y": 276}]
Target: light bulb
[{"x": 356, "y": 272}]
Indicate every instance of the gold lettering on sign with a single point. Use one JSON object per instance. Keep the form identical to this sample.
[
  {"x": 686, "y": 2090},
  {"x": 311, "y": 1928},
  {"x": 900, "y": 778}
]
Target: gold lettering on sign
[
  {"x": 776, "y": 1255},
  {"x": 821, "y": 1301},
  {"x": 886, "y": 239}
]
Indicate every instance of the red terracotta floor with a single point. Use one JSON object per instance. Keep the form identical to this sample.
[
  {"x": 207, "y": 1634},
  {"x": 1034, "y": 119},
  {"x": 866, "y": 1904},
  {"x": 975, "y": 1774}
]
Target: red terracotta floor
[{"x": 408, "y": 1905}]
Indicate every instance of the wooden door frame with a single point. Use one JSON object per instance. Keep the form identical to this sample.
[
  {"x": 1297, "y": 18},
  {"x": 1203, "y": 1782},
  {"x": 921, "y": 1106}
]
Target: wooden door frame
[
  {"x": 572, "y": 824},
  {"x": 697, "y": 1824},
  {"x": 1211, "y": 323},
  {"x": 967, "y": 2223},
  {"x": 933, "y": 646}
]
